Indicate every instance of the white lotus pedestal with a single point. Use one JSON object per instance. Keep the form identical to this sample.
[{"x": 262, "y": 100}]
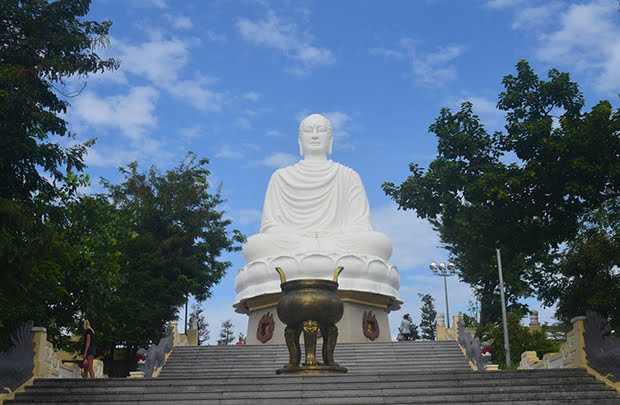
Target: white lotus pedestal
[{"x": 368, "y": 287}]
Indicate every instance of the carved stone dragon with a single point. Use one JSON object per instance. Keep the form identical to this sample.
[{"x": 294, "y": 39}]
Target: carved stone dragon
[
  {"x": 602, "y": 351},
  {"x": 17, "y": 365}
]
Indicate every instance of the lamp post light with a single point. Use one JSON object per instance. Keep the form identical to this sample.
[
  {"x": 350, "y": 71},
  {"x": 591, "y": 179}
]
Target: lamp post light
[{"x": 442, "y": 271}]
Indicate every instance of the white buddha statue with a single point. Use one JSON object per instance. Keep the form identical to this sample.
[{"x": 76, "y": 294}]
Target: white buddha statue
[
  {"x": 316, "y": 205},
  {"x": 316, "y": 218}
]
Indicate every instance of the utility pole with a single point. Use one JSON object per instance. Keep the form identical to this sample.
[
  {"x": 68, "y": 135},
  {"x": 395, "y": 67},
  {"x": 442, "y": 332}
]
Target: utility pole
[{"x": 504, "y": 319}]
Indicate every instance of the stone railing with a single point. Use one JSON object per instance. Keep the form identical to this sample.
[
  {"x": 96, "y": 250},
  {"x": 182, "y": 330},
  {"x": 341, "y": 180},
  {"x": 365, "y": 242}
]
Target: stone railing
[
  {"x": 32, "y": 356},
  {"x": 49, "y": 363},
  {"x": 157, "y": 355},
  {"x": 588, "y": 345},
  {"x": 470, "y": 345}
]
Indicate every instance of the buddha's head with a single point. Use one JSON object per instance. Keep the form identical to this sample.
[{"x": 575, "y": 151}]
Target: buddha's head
[{"x": 315, "y": 137}]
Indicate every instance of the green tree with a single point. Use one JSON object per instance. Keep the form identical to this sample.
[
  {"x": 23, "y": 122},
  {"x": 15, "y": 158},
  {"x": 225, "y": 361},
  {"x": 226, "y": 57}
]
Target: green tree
[
  {"x": 564, "y": 165},
  {"x": 91, "y": 267},
  {"x": 179, "y": 234},
  {"x": 201, "y": 324},
  {"x": 584, "y": 276},
  {"x": 227, "y": 335},
  {"x": 79, "y": 267},
  {"x": 415, "y": 333},
  {"x": 521, "y": 340},
  {"x": 42, "y": 45},
  {"x": 428, "y": 315}
]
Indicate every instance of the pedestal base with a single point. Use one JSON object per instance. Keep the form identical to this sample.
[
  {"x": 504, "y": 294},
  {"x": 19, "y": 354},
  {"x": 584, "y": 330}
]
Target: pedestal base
[
  {"x": 358, "y": 307},
  {"x": 311, "y": 370}
]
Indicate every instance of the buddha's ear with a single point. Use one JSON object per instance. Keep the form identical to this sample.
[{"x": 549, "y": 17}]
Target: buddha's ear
[
  {"x": 301, "y": 148},
  {"x": 331, "y": 144}
]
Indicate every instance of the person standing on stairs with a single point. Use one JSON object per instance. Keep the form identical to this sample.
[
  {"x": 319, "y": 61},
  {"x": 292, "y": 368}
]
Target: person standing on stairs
[
  {"x": 88, "y": 349},
  {"x": 406, "y": 326}
]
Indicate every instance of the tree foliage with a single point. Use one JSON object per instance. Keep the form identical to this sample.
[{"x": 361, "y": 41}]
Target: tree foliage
[
  {"x": 227, "y": 335},
  {"x": 201, "y": 324},
  {"x": 428, "y": 316},
  {"x": 585, "y": 276},
  {"x": 521, "y": 340},
  {"x": 564, "y": 166},
  {"x": 42, "y": 44},
  {"x": 178, "y": 236}
]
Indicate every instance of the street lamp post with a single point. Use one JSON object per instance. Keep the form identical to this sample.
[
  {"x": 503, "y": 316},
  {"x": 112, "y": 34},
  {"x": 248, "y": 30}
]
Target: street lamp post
[{"x": 443, "y": 272}]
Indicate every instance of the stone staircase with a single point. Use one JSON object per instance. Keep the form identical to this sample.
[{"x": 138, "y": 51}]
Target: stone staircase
[{"x": 379, "y": 373}]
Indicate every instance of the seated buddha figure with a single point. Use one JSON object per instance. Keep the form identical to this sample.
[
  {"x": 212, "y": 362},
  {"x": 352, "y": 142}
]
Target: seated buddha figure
[{"x": 316, "y": 205}]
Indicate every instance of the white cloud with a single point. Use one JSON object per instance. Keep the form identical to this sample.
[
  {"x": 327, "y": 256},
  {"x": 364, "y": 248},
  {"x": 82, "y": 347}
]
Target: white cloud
[
  {"x": 416, "y": 245},
  {"x": 341, "y": 125},
  {"x": 236, "y": 151},
  {"x": 277, "y": 160},
  {"x": 179, "y": 22},
  {"x": 433, "y": 67},
  {"x": 414, "y": 241},
  {"x": 132, "y": 113},
  {"x": 388, "y": 53},
  {"x": 121, "y": 153},
  {"x": 339, "y": 120},
  {"x": 149, "y": 3},
  {"x": 252, "y": 96},
  {"x": 251, "y": 147},
  {"x": 503, "y": 3},
  {"x": 274, "y": 132},
  {"x": 226, "y": 152},
  {"x": 429, "y": 68},
  {"x": 274, "y": 33},
  {"x": 528, "y": 18},
  {"x": 243, "y": 123},
  {"x": 213, "y": 36},
  {"x": 249, "y": 216},
  {"x": 157, "y": 60},
  {"x": 270, "y": 32},
  {"x": 484, "y": 108},
  {"x": 191, "y": 132},
  {"x": 584, "y": 36},
  {"x": 313, "y": 56},
  {"x": 98, "y": 156},
  {"x": 162, "y": 62},
  {"x": 589, "y": 38},
  {"x": 195, "y": 93}
]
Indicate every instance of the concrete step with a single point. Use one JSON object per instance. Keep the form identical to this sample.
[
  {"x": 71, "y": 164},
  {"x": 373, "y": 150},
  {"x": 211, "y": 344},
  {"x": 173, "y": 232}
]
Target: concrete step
[
  {"x": 535, "y": 386},
  {"x": 357, "y": 357},
  {"x": 383, "y": 373}
]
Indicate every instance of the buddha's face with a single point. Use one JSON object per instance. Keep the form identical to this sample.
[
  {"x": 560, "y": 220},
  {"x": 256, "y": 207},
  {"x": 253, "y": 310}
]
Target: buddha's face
[{"x": 315, "y": 137}]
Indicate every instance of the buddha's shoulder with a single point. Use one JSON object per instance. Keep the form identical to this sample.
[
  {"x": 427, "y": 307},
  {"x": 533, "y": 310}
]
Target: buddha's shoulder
[{"x": 301, "y": 168}]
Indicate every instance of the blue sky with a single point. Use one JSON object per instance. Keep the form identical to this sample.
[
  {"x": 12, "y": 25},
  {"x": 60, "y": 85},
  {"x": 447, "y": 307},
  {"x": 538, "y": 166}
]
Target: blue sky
[{"x": 231, "y": 80}]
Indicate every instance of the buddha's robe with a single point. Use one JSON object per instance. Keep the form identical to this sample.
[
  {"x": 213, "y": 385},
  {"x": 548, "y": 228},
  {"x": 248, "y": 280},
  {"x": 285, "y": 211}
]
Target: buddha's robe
[{"x": 316, "y": 206}]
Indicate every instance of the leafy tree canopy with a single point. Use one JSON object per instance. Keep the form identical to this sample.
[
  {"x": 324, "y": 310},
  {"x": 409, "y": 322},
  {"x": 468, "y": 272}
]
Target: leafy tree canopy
[
  {"x": 525, "y": 190},
  {"x": 521, "y": 340},
  {"x": 201, "y": 324},
  {"x": 227, "y": 334},
  {"x": 178, "y": 234},
  {"x": 428, "y": 315},
  {"x": 42, "y": 45}
]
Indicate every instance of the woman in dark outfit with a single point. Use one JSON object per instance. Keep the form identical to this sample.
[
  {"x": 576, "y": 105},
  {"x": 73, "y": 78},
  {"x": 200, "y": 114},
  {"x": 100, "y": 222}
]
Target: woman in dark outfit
[{"x": 88, "y": 349}]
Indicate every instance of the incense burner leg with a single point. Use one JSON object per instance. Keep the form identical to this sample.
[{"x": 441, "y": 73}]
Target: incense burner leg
[
  {"x": 291, "y": 336},
  {"x": 330, "y": 336},
  {"x": 310, "y": 332}
]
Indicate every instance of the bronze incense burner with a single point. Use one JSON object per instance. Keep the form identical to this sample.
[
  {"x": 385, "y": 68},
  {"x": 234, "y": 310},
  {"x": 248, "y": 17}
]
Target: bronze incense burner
[{"x": 310, "y": 305}]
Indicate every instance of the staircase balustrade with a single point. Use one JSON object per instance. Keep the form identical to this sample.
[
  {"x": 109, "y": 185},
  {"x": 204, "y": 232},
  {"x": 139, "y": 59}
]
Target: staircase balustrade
[{"x": 589, "y": 346}]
